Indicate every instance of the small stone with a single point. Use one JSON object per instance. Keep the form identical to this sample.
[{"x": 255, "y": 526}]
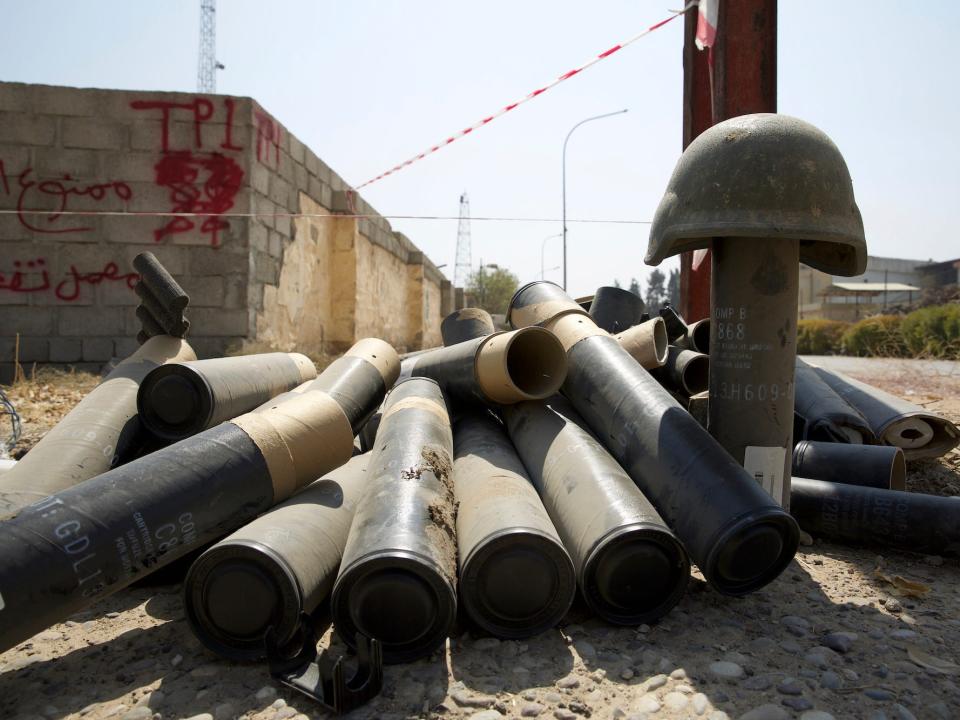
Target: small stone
[
  {"x": 205, "y": 671},
  {"x": 570, "y": 681},
  {"x": 647, "y": 704},
  {"x": 940, "y": 710},
  {"x": 562, "y": 714},
  {"x": 531, "y": 709},
  {"x": 598, "y": 675},
  {"x": 657, "y": 681},
  {"x": 153, "y": 699},
  {"x": 486, "y": 715},
  {"x": 805, "y": 538},
  {"x": 208, "y": 716},
  {"x": 48, "y": 636},
  {"x": 762, "y": 645},
  {"x": 726, "y": 670},
  {"x": 552, "y": 697},
  {"x": 797, "y": 703},
  {"x": 901, "y": 713},
  {"x": 278, "y": 703},
  {"x": 903, "y": 634},
  {"x": 830, "y": 680},
  {"x": 282, "y": 714},
  {"x": 585, "y": 649},
  {"x": 529, "y": 696},
  {"x": 626, "y": 674},
  {"x": 795, "y": 621},
  {"x": 665, "y": 666},
  {"x": 679, "y": 674},
  {"x": 841, "y": 642},
  {"x": 851, "y": 675},
  {"x": 700, "y": 703},
  {"x": 790, "y": 687},
  {"x": 267, "y": 692},
  {"x": 138, "y": 713},
  {"x": 224, "y": 711},
  {"x": 819, "y": 656},
  {"x": 816, "y": 715},
  {"x": 791, "y": 647},
  {"x": 893, "y": 606},
  {"x": 465, "y": 699},
  {"x": 758, "y": 682},
  {"x": 176, "y": 660},
  {"x": 878, "y": 694},
  {"x": 766, "y": 712},
  {"x": 643, "y": 629},
  {"x": 675, "y": 701}
]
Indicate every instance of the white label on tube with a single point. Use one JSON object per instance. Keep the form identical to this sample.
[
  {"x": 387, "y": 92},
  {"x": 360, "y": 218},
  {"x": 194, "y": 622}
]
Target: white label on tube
[{"x": 765, "y": 465}]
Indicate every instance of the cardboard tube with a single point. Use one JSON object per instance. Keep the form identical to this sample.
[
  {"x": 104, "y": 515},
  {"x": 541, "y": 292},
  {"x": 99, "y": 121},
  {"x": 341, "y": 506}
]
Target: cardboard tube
[
  {"x": 615, "y": 309},
  {"x": 646, "y": 343},
  {"x": 177, "y": 400},
  {"x": 822, "y": 415},
  {"x": 89, "y": 439},
  {"x": 466, "y": 324},
  {"x": 878, "y": 466},
  {"x": 686, "y": 371}
]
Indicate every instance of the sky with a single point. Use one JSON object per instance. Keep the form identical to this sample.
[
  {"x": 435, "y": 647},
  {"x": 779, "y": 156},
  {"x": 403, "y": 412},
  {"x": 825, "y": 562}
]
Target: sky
[{"x": 368, "y": 83}]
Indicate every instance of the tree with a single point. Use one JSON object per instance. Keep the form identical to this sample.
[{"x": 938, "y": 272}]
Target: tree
[
  {"x": 616, "y": 283},
  {"x": 491, "y": 288},
  {"x": 655, "y": 291},
  {"x": 635, "y": 287},
  {"x": 673, "y": 288}
]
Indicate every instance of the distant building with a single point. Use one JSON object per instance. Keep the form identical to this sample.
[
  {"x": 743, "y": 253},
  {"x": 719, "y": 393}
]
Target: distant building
[{"x": 887, "y": 282}]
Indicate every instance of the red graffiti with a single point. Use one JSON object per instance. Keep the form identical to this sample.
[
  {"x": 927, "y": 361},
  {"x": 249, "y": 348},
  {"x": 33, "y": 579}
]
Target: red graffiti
[
  {"x": 201, "y": 111},
  {"x": 32, "y": 192},
  {"x": 268, "y": 135},
  {"x": 182, "y": 173},
  {"x": 67, "y": 290}
]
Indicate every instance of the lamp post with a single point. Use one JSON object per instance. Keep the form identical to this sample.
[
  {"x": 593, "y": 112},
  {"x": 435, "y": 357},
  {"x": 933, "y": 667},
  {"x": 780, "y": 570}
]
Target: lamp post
[
  {"x": 589, "y": 119},
  {"x": 543, "y": 247}
]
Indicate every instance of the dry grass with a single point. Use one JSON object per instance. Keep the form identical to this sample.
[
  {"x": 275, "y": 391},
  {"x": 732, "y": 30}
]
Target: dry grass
[{"x": 42, "y": 397}]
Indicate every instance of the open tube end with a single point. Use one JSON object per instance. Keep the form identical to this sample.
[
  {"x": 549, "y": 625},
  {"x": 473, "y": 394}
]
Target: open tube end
[
  {"x": 898, "y": 472},
  {"x": 699, "y": 334},
  {"x": 647, "y": 343},
  {"x": 525, "y": 364},
  {"x": 695, "y": 374}
]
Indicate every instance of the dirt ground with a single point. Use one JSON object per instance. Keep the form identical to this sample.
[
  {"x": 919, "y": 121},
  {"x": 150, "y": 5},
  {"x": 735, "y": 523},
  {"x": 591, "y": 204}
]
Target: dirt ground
[{"x": 829, "y": 638}]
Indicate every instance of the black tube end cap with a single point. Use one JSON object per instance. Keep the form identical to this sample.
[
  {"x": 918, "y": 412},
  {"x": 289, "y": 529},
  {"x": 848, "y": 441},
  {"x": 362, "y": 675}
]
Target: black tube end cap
[
  {"x": 234, "y": 592},
  {"x": 752, "y": 552},
  {"x": 399, "y": 600},
  {"x": 174, "y": 402},
  {"x": 518, "y": 584},
  {"x": 636, "y": 575}
]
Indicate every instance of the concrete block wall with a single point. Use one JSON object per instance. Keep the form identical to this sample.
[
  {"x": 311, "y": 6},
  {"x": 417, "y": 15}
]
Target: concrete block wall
[{"x": 261, "y": 236}]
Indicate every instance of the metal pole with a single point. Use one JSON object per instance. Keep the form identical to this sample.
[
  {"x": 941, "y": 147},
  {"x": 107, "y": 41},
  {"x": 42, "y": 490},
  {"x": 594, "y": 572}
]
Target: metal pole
[
  {"x": 543, "y": 248},
  {"x": 564, "y": 182}
]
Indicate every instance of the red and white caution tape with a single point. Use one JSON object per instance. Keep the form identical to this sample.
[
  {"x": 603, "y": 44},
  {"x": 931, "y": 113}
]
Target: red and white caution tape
[{"x": 539, "y": 91}]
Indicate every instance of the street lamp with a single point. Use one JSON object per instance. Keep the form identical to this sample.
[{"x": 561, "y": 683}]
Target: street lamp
[
  {"x": 589, "y": 119},
  {"x": 543, "y": 247}
]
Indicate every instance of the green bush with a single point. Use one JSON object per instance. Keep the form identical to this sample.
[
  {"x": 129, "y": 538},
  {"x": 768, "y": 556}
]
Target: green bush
[
  {"x": 933, "y": 331},
  {"x": 877, "y": 336},
  {"x": 819, "y": 337}
]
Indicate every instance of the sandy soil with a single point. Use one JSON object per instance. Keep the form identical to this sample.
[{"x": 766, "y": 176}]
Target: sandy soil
[{"x": 828, "y": 636}]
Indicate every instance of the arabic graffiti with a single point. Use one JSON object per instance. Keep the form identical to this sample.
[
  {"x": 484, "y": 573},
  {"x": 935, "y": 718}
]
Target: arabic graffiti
[
  {"x": 41, "y": 204},
  {"x": 181, "y": 172},
  {"x": 204, "y": 182},
  {"x": 268, "y": 136},
  {"x": 22, "y": 279}
]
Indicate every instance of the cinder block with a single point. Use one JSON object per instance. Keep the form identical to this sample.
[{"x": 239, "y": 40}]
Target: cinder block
[
  {"x": 125, "y": 347},
  {"x": 276, "y": 245},
  {"x": 203, "y": 292},
  {"x": 27, "y": 349},
  {"x": 128, "y": 167},
  {"x": 13, "y": 97},
  {"x": 57, "y": 162},
  {"x": 260, "y": 178},
  {"x": 286, "y": 167},
  {"x": 23, "y": 129},
  {"x": 213, "y": 347},
  {"x": 297, "y": 150},
  {"x": 66, "y": 350},
  {"x": 312, "y": 163},
  {"x": 301, "y": 177},
  {"x": 264, "y": 209},
  {"x": 259, "y": 234},
  {"x": 97, "y": 349},
  {"x": 216, "y": 322},
  {"x": 120, "y": 294},
  {"x": 65, "y": 101},
  {"x": 96, "y": 133},
  {"x": 91, "y": 322},
  {"x": 26, "y": 321},
  {"x": 235, "y": 291},
  {"x": 266, "y": 269},
  {"x": 130, "y": 230},
  {"x": 146, "y": 135},
  {"x": 217, "y": 261},
  {"x": 280, "y": 192}
]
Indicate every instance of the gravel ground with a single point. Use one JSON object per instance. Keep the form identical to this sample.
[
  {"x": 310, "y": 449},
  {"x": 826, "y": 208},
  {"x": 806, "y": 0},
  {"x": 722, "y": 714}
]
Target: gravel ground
[{"x": 829, "y": 638}]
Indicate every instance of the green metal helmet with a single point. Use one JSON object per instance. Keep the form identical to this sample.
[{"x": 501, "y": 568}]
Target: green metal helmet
[{"x": 764, "y": 176}]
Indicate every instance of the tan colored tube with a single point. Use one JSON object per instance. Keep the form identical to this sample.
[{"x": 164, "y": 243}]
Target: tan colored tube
[
  {"x": 526, "y": 364},
  {"x": 381, "y": 355},
  {"x": 300, "y": 438},
  {"x": 85, "y": 443},
  {"x": 647, "y": 343}
]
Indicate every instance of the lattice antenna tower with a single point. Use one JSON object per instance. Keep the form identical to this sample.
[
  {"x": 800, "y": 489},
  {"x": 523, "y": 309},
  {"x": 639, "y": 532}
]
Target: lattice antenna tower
[
  {"x": 207, "y": 64},
  {"x": 461, "y": 269}
]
